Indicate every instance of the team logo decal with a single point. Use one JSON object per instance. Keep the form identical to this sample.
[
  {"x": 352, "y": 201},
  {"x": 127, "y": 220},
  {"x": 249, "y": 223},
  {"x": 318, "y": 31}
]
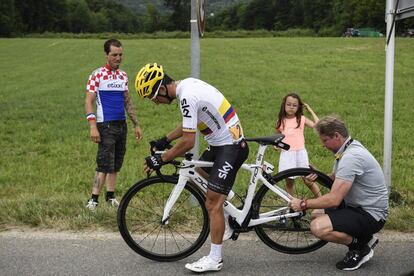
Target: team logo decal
[
  {"x": 225, "y": 170},
  {"x": 184, "y": 107}
]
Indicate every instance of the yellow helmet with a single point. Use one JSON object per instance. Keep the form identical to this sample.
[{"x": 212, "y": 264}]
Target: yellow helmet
[{"x": 148, "y": 77}]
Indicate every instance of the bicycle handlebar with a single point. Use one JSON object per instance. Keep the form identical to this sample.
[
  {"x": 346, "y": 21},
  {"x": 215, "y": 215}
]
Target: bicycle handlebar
[
  {"x": 173, "y": 162},
  {"x": 275, "y": 140},
  {"x": 152, "y": 146}
]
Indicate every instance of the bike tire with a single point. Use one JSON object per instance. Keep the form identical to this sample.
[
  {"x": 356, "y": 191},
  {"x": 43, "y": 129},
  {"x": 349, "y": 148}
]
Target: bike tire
[
  {"x": 292, "y": 236},
  {"x": 140, "y": 214}
]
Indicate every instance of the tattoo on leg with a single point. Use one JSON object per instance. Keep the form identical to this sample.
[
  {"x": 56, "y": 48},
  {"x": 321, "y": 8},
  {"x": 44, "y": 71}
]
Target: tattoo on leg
[{"x": 96, "y": 183}]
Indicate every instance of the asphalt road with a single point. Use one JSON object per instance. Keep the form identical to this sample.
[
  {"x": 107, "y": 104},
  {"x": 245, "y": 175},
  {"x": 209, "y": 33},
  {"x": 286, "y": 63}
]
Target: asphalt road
[{"x": 51, "y": 253}]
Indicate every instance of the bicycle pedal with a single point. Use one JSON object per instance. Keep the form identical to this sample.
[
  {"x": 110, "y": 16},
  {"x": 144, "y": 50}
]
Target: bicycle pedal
[{"x": 235, "y": 236}]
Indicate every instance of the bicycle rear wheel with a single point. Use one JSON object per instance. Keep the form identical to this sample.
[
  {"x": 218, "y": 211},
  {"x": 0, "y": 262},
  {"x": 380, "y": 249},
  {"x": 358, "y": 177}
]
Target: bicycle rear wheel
[
  {"x": 293, "y": 235},
  {"x": 140, "y": 214}
]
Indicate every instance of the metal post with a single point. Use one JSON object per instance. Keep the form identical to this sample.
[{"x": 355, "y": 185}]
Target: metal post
[
  {"x": 389, "y": 90},
  {"x": 195, "y": 62}
]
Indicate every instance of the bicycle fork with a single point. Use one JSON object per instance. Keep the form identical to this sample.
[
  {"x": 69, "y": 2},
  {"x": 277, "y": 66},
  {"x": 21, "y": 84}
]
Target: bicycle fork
[{"x": 175, "y": 193}]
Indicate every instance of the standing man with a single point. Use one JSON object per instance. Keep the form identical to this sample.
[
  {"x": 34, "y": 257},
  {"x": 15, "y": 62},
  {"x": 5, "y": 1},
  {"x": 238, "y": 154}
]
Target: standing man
[
  {"x": 359, "y": 182},
  {"x": 108, "y": 87},
  {"x": 203, "y": 107}
]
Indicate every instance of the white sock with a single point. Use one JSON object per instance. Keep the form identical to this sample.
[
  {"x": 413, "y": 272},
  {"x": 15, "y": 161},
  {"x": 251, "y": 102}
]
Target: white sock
[{"x": 215, "y": 252}]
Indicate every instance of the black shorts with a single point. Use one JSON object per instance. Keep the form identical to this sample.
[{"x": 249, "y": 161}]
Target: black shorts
[
  {"x": 354, "y": 221},
  {"x": 227, "y": 161},
  {"x": 111, "y": 149}
]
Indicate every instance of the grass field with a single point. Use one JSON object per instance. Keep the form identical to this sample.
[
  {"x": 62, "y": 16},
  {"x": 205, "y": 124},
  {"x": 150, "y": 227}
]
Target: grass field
[{"x": 47, "y": 161}]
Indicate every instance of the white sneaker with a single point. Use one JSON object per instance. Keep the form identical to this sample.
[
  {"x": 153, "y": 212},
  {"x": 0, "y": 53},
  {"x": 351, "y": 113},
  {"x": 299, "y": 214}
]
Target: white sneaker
[
  {"x": 228, "y": 231},
  {"x": 113, "y": 202},
  {"x": 205, "y": 264},
  {"x": 92, "y": 205}
]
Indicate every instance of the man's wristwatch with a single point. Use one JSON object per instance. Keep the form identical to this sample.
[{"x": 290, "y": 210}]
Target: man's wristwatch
[{"x": 304, "y": 204}]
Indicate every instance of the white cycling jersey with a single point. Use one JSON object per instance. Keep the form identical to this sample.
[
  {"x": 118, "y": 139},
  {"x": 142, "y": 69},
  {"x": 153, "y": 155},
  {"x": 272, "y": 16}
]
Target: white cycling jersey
[{"x": 204, "y": 107}]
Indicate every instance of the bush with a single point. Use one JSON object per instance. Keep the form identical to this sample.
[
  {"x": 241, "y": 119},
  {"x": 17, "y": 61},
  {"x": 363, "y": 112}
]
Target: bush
[
  {"x": 329, "y": 32},
  {"x": 239, "y": 34},
  {"x": 296, "y": 33}
]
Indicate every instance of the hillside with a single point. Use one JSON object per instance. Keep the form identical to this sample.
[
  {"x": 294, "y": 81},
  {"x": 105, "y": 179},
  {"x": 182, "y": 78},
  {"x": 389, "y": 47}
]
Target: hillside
[{"x": 212, "y": 6}]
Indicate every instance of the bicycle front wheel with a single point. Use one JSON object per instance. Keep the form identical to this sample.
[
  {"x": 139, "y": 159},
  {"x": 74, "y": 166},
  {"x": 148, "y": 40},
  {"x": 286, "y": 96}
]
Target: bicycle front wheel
[
  {"x": 139, "y": 220},
  {"x": 290, "y": 235}
]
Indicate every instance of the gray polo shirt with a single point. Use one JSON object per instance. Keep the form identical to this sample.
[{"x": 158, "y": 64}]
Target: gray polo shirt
[{"x": 356, "y": 164}]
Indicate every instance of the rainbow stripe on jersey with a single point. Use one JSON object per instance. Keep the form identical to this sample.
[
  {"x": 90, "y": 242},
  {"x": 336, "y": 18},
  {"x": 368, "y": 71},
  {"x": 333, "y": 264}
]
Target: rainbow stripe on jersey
[{"x": 226, "y": 110}]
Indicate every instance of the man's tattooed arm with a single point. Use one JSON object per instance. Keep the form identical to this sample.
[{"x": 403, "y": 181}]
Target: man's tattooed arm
[{"x": 130, "y": 109}]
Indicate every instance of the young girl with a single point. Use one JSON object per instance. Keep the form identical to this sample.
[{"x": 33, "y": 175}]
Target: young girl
[{"x": 291, "y": 123}]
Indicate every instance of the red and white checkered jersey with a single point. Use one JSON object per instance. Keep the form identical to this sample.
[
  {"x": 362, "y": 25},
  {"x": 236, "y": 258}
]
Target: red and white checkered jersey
[{"x": 109, "y": 86}]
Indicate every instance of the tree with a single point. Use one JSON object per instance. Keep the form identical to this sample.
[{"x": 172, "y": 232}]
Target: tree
[
  {"x": 81, "y": 18},
  {"x": 152, "y": 21},
  {"x": 180, "y": 17},
  {"x": 7, "y": 18},
  {"x": 262, "y": 13}
]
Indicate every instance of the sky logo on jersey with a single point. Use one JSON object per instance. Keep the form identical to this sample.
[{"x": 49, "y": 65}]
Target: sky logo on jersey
[
  {"x": 184, "y": 107},
  {"x": 223, "y": 172}
]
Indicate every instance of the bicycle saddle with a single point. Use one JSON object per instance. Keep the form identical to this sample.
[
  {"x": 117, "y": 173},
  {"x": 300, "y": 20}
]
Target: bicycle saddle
[{"x": 275, "y": 140}]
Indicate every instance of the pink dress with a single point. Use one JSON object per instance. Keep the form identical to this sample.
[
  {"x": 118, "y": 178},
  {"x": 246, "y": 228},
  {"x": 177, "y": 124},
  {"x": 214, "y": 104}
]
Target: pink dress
[
  {"x": 294, "y": 136},
  {"x": 297, "y": 155}
]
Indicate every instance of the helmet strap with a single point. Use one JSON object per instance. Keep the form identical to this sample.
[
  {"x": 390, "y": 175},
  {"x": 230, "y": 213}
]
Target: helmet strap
[{"x": 167, "y": 96}]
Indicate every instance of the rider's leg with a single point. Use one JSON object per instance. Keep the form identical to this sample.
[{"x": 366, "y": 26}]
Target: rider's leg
[{"x": 214, "y": 205}]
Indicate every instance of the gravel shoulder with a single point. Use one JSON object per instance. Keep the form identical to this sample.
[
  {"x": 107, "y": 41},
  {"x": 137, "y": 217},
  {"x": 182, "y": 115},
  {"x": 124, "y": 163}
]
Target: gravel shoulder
[{"x": 385, "y": 235}]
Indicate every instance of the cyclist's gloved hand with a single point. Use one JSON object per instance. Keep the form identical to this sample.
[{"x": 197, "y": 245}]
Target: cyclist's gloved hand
[
  {"x": 154, "y": 162},
  {"x": 160, "y": 144}
]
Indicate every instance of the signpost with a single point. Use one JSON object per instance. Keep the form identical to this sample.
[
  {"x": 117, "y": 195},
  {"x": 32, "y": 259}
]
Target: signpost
[
  {"x": 197, "y": 29},
  {"x": 395, "y": 10},
  {"x": 405, "y": 9},
  {"x": 201, "y": 14}
]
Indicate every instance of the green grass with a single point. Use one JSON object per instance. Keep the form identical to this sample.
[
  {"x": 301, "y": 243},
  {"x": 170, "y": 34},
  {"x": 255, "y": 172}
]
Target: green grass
[{"x": 47, "y": 161}]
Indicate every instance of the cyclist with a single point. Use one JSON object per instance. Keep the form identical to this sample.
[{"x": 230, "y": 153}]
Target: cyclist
[
  {"x": 203, "y": 107},
  {"x": 359, "y": 181}
]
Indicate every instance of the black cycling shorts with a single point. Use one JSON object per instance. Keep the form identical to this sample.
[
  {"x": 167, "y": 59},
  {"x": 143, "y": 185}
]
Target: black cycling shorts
[
  {"x": 227, "y": 161},
  {"x": 354, "y": 221},
  {"x": 111, "y": 149}
]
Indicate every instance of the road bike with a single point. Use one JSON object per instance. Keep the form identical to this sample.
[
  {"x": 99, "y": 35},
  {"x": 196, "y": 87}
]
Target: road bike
[{"x": 163, "y": 217}]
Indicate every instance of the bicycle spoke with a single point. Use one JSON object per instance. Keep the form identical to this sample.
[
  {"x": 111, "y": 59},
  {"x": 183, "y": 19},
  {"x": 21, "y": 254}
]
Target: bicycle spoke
[
  {"x": 156, "y": 238},
  {"x": 172, "y": 232},
  {"x": 140, "y": 214},
  {"x": 139, "y": 227},
  {"x": 178, "y": 207},
  {"x": 149, "y": 234},
  {"x": 147, "y": 212},
  {"x": 294, "y": 235}
]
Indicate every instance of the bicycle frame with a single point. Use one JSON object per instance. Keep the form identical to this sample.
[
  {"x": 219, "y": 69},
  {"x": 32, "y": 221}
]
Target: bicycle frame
[{"x": 187, "y": 173}]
